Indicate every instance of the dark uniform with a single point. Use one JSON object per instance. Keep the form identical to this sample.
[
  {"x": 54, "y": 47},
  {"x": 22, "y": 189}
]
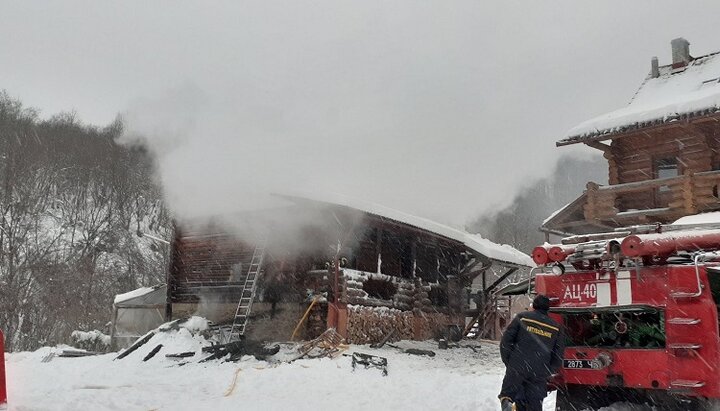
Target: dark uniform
[{"x": 531, "y": 349}]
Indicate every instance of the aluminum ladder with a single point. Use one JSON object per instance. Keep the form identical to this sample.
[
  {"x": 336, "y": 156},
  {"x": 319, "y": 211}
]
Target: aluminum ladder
[{"x": 242, "y": 313}]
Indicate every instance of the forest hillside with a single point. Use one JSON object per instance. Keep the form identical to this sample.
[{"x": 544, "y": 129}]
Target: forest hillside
[{"x": 74, "y": 209}]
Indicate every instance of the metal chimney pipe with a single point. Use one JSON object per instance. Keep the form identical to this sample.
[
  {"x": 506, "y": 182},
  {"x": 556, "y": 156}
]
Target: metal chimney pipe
[
  {"x": 680, "y": 51},
  {"x": 654, "y": 67}
]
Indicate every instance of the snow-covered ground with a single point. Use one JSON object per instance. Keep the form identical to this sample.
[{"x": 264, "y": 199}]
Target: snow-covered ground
[
  {"x": 455, "y": 379},
  {"x": 467, "y": 377}
]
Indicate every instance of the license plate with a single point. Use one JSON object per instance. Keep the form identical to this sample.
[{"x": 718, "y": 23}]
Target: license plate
[{"x": 581, "y": 364}]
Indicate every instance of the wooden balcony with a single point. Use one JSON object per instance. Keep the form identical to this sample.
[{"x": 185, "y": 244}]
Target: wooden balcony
[{"x": 659, "y": 200}]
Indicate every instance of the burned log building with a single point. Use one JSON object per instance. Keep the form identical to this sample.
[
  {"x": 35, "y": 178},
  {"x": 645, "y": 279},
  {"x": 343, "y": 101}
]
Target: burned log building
[{"x": 361, "y": 268}]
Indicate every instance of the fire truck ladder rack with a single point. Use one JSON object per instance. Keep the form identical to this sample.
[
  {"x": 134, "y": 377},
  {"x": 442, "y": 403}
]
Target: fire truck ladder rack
[
  {"x": 691, "y": 347},
  {"x": 242, "y": 313}
]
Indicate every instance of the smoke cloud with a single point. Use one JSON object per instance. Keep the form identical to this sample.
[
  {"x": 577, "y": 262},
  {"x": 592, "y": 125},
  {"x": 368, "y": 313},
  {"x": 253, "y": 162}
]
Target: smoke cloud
[{"x": 439, "y": 109}]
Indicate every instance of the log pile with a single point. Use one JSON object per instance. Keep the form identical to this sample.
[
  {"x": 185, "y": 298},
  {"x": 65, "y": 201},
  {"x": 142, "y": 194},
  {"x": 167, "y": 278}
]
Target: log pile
[
  {"x": 371, "y": 324},
  {"x": 368, "y": 325}
]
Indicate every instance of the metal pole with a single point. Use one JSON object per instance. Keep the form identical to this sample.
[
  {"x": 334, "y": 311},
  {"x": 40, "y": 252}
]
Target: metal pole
[{"x": 3, "y": 383}]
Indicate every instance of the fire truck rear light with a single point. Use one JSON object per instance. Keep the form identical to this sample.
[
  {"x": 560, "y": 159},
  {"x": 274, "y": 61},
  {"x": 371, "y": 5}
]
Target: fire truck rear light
[
  {"x": 684, "y": 321},
  {"x": 687, "y": 384}
]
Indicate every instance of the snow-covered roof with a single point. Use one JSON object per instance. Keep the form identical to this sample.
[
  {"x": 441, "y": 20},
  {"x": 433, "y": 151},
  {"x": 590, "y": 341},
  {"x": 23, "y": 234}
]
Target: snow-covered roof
[
  {"x": 704, "y": 218},
  {"x": 556, "y": 212},
  {"x": 142, "y": 295},
  {"x": 499, "y": 252},
  {"x": 677, "y": 93}
]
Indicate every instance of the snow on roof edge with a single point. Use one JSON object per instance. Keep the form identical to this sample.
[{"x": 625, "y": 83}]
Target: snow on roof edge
[
  {"x": 138, "y": 292},
  {"x": 688, "y": 91},
  {"x": 499, "y": 252},
  {"x": 712, "y": 217}
]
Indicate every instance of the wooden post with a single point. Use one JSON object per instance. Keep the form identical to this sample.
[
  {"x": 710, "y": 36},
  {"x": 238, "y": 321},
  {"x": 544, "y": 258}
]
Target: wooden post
[
  {"x": 688, "y": 195},
  {"x": 590, "y": 209}
]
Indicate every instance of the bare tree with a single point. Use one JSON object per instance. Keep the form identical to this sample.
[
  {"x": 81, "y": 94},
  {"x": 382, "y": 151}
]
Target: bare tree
[{"x": 73, "y": 208}]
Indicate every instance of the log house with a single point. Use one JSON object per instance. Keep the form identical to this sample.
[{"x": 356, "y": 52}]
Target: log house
[
  {"x": 663, "y": 150},
  {"x": 371, "y": 270}
]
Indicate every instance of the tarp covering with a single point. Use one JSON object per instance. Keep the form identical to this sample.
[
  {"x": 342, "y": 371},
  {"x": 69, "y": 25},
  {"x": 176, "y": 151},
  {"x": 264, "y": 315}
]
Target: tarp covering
[{"x": 137, "y": 312}]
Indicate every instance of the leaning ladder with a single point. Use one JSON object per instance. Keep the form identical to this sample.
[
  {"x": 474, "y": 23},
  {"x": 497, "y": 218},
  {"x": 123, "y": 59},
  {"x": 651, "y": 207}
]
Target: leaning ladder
[{"x": 242, "y": 313}]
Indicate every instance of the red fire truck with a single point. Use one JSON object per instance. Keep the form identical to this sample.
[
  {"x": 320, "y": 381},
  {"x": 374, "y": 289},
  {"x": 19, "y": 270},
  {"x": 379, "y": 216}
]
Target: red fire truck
[{"x": 639, "y": 308}]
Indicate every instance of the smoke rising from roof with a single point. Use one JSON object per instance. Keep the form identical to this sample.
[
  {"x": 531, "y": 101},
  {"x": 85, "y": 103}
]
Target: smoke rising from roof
[{"x": 438, "y": 109}]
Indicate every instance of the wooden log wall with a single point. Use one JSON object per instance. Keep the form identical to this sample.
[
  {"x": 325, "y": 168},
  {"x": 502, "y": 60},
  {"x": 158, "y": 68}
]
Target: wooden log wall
[
  {"x": 353, "y": 282},
  {"x": 634, "y": 158},
  {"x": 421, "y": 297},
  {"x": 711, "y": 129},
  {"x": 410, "y": 295},
  {"x": 206, "y": 261},
  {"x": 706, "y": 192}
]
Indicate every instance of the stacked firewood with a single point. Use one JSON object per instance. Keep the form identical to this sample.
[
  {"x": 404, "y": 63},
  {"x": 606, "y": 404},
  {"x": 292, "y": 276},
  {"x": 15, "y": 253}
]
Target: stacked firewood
[
  {"x": 371, "y": 324},
  {"x": 367, "y": 325}
]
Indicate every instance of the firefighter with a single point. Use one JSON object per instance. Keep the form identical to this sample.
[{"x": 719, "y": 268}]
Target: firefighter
[{"x": 531, "y": 349}]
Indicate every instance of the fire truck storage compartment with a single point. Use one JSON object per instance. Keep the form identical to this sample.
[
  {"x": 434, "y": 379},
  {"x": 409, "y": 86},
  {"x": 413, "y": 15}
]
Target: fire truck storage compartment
[{"x": 633, "y": 327}]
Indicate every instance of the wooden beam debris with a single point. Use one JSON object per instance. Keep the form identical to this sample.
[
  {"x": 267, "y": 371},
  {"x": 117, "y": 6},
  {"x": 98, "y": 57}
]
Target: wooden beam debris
[
  {"x": 385, "y": 339},
  {"x": 74, "y": 354},
  {"x": 181, "y": 354},
  {"x": 153, "y": 352},
  {"x": 139, "y": 343}
]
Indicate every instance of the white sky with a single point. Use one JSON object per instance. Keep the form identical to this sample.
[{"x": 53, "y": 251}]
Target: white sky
[{"x": 437, "y": 108}]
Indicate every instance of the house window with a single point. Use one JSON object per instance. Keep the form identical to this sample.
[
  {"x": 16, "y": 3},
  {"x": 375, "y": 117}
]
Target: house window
[{"x": 666, "y": 168}]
